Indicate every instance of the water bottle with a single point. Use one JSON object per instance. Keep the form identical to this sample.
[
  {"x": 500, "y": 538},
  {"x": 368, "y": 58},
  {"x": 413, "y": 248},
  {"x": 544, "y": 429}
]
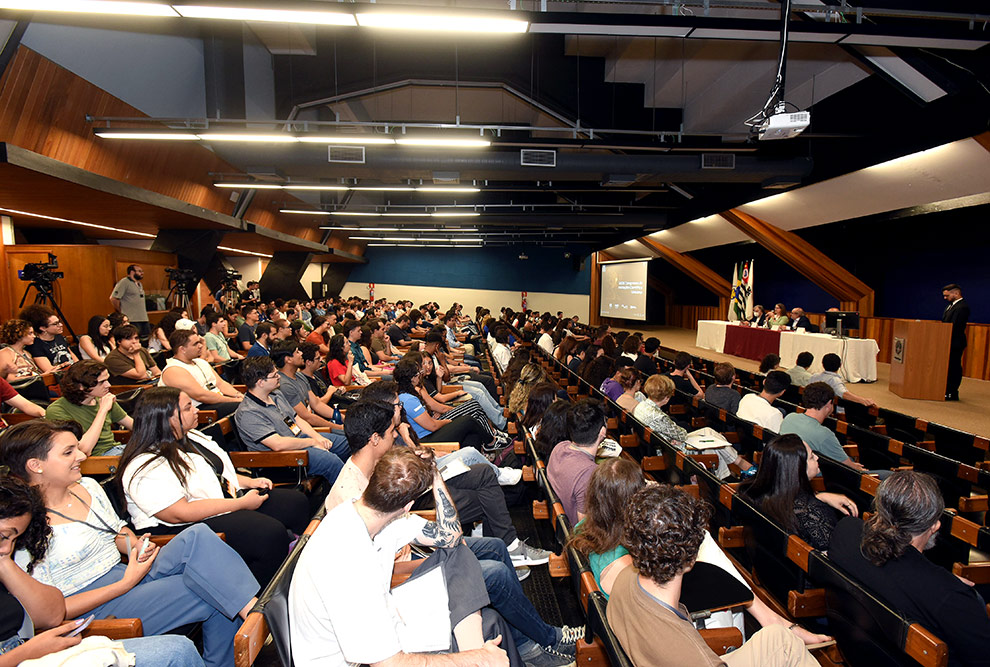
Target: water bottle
[{"x": 337, "y": 418}]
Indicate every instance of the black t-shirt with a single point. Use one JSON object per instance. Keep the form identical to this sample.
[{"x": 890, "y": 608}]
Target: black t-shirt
[
  {"x": 11, "y": 614},
  {"x": 55, "y": 350},
  {"x": 646, "y": 364},
  {"x": 245, "y": 334},
  {"x": 682, "y": 383},
  {"x": 922, "y": 591},
  {"x": 396, "y": 334}
]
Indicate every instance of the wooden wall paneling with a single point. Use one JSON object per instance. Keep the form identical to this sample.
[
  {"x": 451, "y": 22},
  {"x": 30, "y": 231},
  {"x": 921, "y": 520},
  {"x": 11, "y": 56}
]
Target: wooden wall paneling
[
  {"x": 852, "y": 292},
  {"x": 595, "y": 295}
]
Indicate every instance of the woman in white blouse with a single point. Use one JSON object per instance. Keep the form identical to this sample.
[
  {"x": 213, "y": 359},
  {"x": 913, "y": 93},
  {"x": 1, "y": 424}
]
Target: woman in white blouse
[
  {"x": 173, "y": 475},
  {"x": 194, "y": 578}
]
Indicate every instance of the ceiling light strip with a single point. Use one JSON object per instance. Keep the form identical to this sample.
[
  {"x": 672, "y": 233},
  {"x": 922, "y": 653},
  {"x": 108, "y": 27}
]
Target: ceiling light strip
[
  {"x": 265, "y": 15},
  {"x": 246, "y": 252},
  {"x": 92, "y": 7},
  {"x": 76, "y": 222}
]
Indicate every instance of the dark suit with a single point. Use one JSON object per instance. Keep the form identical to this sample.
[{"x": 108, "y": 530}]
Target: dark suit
[
  {"x": 805, "y": 323},
  {"x": 958, "y": 314}
]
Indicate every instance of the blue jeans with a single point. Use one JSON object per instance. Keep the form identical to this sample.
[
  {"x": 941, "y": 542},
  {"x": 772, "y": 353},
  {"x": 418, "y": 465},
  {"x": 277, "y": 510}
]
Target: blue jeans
[
  {"x": 196, "y": 577},
  {"x": 163, "y": 651},
  {"x": 328, "y": 464},
  {"x": 506, "y": 593},
  {"x": 492, "y": 409}
]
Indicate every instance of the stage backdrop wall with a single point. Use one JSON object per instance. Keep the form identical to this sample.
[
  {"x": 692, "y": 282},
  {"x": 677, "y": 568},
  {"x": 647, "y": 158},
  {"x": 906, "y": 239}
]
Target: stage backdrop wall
[{"x": 492, "y": 277}]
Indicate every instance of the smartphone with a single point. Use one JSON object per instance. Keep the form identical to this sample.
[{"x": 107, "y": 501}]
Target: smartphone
[
  {"x": 82, "y": 626},
  {"x": 263, "y": 492},
  {"x": 144, "y": 545}
]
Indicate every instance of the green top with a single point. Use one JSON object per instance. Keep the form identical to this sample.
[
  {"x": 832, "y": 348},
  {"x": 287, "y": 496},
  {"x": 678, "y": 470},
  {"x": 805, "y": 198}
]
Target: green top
[
  {"x": 599, "y": 562},
  {"x": 778, "y": 320},
  {"x": 84, "y": 415},
  {"x": 218, "y": 344}
]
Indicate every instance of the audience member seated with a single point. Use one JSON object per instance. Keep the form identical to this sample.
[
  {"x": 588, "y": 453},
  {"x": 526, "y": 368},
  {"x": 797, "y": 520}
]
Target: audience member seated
[
  {"x": 96, "y": 343},
  {"x": 886, "y": 554},
  {"x": 398, "y": 332},
  {"x": 831, "y": 363},
  {"x": 17, "y": 336},
  {"x": 14, "y": 400},
  {"x": 566, "y": 350},
  {"x": 540, "y": 399},
  {"x": 320, "y": 325},
  {"x": 658, "y": 390},
  {"x": 531, "y": 375},
  {"x": 770, "y": 362},
  {"x": 129, "y": 362},
  {"x": 500, "y": 350},
  {"x": 800, "y": 321},
  {"x": 778, "y": 318},
  {"x": 800, "y": 377},
  {"x": 195, "y": 577},
  {"x": 545, "y": 341},
  {"x": 185, "y": 370},
  {"x": 217, "y": 344},
  {"x": 817, "y": 400},
  {"x": 312, "y": 363},
  {"x": 469, "y": 377},
  {"x": 49, "y": 350},
  {"x": 353, "y": 332},
  {"x": 572, "y": 461},
  {"x": 340, "y": 364},
  {"x": 598, "y": 374},
  {"x": 631, "y": 395},
  {"x": 580, "y": 355},
  {"x": 663, "y": 530},
  {"x": 87, "y": 400},
  {"x": 28, "y": 606},
  {"x": 265, "y": 420},
  {"x": 758, "y": 408},
  {"x": 353, "y": 618},
  {"x": 684, "y": 381},
  {"x": 782, "y": 488},
  {"x": 722, "y": 394},
  {"x": 245, "y": 331},
  {"x": 173, "y": 475},
  {"x": 288, "y": 359},
  {"x": 646, "y": 362},
  {"x": 264, "y": 336},
  {"x": 449, "y": 321}
]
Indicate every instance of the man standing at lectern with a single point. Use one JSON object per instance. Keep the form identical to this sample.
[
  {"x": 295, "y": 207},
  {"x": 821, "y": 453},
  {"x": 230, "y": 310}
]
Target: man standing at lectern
[{"x": 957, "y": 313}]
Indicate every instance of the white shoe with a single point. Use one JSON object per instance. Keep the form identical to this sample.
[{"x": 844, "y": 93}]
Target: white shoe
[{"x": 509, "y": 476}]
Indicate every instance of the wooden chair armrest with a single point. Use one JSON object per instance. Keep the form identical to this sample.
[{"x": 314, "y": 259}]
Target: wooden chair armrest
[
  {"x": 121, "y": 436},
  {"x": 721, "y": 640},
  {"x": 403, "y": 570},
  {"x": 97, "y": 466},
  {"x": 451, "y": 388},
  {"x": 429, "y": 515},
  {"x": 250, "y": 639},
  {"x": 441, "y": 448},
  {"x": 115, "y": 628},
  {"x": 291, "y": 458}
]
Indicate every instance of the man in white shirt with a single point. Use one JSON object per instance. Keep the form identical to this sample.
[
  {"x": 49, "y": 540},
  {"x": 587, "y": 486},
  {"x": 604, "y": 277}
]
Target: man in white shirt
[
  {"x": 831, "y": 363},
  {"x": 546, "y": 340},
  {"x": 187, "y": 371},
  {"x": 500, "y": 351},
  {"x": 354, "y": 618},
  {"x": 758, "y": 408}
]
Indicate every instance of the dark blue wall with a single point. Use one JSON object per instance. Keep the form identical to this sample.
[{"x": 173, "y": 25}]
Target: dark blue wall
[
  {"x": 546, "y": 270},
  {"x": 906, "y": 261}
]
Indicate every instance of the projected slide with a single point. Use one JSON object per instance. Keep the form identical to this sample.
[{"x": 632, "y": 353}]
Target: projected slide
[{"x": 624, "y": 290}]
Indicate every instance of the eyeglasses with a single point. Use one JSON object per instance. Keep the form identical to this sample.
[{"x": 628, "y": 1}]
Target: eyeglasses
[
  {"x": 272, "y": 376},
  {"x": 54, "y": 324}
]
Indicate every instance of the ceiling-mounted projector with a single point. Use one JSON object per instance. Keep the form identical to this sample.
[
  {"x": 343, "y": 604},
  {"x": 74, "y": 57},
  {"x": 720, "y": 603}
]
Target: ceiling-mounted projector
[{"x": 784, "y": 125}]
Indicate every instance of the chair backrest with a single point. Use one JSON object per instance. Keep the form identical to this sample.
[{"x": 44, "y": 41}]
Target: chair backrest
[
  {"x": 274, "y": 603},
  {"x": 598, "y": 627}
]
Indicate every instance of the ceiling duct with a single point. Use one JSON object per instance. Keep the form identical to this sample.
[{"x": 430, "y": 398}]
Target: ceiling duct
[
  {"x": 537, "y": 158},
  {"x": 446, "y": 178},
  {"x": 348, "y": 154},
  {"x": 718, "y": 161}
]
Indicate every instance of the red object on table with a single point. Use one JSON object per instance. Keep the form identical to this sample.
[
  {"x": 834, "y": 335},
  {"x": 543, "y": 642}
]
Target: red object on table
[{"x": 751, "y": 342}]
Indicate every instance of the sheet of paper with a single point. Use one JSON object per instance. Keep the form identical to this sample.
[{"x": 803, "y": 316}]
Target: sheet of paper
[{"x": 422, "y": 608}]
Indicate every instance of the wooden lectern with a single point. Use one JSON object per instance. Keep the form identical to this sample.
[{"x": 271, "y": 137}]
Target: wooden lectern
[{"x": 919, "y": 359}]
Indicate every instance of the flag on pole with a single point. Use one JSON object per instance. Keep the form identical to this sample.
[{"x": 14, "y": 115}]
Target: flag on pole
[{"x": 741, "y": 299}]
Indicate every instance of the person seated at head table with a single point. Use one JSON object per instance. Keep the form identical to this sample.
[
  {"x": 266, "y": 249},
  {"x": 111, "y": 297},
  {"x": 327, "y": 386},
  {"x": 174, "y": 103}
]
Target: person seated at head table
[{"x": 778, "y": 318}]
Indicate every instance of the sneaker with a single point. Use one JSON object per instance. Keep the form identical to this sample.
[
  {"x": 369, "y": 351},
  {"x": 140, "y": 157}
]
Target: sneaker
[
  {"x": 509, "y": 476},
  {"x": 543, "y": 656},
  {"x": 478, "y": 530},
  {"x": 524, "y": 554},
  {"x": 569, "y": 637},
  {"x": 522, "y": 573}
]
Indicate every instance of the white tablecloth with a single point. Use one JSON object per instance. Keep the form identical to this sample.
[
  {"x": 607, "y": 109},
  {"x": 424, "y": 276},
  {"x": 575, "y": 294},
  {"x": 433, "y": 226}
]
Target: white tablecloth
[
  {"x": 711, "y": 335},
  {"x": 859, "y": 356}
]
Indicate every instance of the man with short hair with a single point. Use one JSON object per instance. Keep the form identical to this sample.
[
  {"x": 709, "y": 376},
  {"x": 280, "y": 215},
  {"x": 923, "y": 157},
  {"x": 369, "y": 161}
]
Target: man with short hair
[
  {"x": 87, "y": 399},
  {"x": 288, "y": 359},
  {"x": 663, "y": 531},
  {"x": 758, "y": 408},
  {"x": 683, "y": 379},
  {"x": 800, "y": 321},
  {"x": 215, "y": 339},
  {"x": 264, "y": 337},
  {"x": 832, "y": 362},
  {"x": 449, "y": 321},
  {"x": 50, "y": 350},
  {"x": 800, "y": 377},
  {"x": 471, "y": 379},
  {"x": 722, "y": 394},
  {"x": 187, "y": 372},
  {"x": 127, "y": 297},
  {"x": 572, "y": 461},
  {"x": 885, "y": 553},
  {"x": 245, "y": 332},
  {"x": 817, "y": 401},
  {"x": 129, "y": 361},
  {"x": 282, "y": 331},
  {"x": 500, "y": 351},
  {"x": 381, "y": 345},
  {"x": 312, "y": 362},
  {"x": 266, "y": 421},
  {"x": 957, "y": 313},
  {"x": 397, "y": 333}
]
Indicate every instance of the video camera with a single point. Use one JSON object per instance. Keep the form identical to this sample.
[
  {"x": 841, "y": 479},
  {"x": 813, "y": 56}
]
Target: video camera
[
  {"x": 230, "y": 277},
  {"x": 180, "y": 275},
  {"x": 39, "y": 272}
]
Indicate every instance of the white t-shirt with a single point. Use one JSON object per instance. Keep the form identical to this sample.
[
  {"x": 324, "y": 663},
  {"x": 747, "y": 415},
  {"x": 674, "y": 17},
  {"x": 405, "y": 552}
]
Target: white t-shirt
[
  {"x": 502, "y": 355},
  {"x": 755, "y": 408},
  {"x": 153, "y": 488},
  {"x": 546, "y": 342},
  {"x": 348, "y": 618},
  {"x": 79, "y": 554},
  {"x": 201, "y": 371}
]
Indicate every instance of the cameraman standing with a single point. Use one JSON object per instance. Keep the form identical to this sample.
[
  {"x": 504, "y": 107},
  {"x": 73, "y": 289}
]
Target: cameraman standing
[{"x": 128, "y": 298}]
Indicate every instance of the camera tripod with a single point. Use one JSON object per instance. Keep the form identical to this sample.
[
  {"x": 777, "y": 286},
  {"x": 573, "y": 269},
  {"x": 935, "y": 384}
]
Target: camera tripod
[
  {"x": 43, "y": 296},
  {"x": 178, "y": 296}
]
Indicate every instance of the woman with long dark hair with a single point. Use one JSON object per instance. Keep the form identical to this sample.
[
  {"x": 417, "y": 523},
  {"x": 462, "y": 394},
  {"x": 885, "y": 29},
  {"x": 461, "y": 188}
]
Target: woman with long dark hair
[
  {"x": 340, "y": 362},
  {"x": 782, "y": 488},
  {"x": 552, "y": 428},
  {"x": 565, "y": 351},
  {"x": 173, "y": 475},
  {"x": 587, "y": 356},
  {"x": 540, "y": 398},
  {"x": 96, "y": 343},
  {"x": 195, "y": 577}
]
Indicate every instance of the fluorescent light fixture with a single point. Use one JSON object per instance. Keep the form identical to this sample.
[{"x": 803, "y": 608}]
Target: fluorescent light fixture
[
  {"x": 381, "y": 245},
  {"x": 439, "y": 142},
  {"x": 159, "y": 136},
  {"x": 465, "y": 240},
  {"x": 368, "y": 229},
  {"x": 382, "y": 238},
  {"x": 75, "y": 222},
  {"x": 246, "y": 252},
  {"x": 91, "y": 7},
  {"x": 302, "y": 211},
  {"x": 351, "y": 139},
  {"x": 440, "y": 22},
  {"x": 271, "y": 15},
  {"x": 384, "y": 188},
  {"x": 249, "y": 186},
  {"x": 441, "y": 188},
  {"x": 257, "y": 138},
  {"x": 454, "y": 214},
  {"x": 380, "y": 215},
  {"x": 289, "y": 186}
]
